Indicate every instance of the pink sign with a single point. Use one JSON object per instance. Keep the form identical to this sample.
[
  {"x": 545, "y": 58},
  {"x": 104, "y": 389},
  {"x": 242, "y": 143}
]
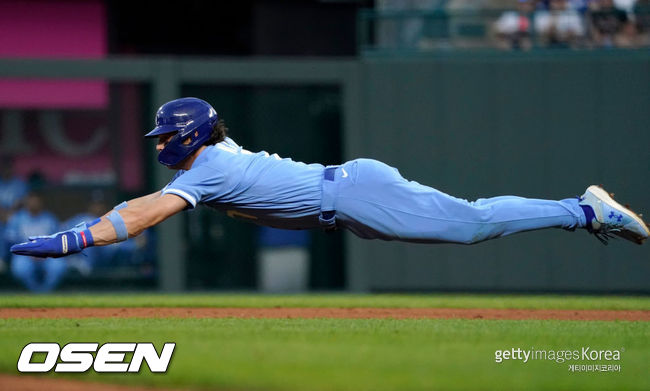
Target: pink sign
[
  {"x": 63, "y": 146},
  {"x": 77, "y": 146},
  {"x": 53, "y": 29}
]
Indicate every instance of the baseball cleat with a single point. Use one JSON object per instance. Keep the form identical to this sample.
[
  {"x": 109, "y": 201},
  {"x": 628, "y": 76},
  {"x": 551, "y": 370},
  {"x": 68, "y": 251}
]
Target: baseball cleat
[{"x": 608, "y": 217}]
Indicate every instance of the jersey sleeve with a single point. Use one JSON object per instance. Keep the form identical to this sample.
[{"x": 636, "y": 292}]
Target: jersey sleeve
[{"x": 196, "y": 184}]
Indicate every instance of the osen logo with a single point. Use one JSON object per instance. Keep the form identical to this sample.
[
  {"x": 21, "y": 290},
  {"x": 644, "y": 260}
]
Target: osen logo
[{"x": 78, "y": 357}]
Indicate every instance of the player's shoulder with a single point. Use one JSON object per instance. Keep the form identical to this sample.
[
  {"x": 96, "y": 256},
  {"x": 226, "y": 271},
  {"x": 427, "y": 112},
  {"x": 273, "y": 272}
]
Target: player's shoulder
[
  {"x": 206, "y": 167},
  {"x": 177, "y": 174},
  {"x": 209, "y": 159},
  {"x": 224, "y": 156}
]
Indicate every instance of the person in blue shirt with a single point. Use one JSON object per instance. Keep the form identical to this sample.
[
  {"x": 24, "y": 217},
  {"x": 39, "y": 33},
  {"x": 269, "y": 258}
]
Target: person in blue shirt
[
  {"x": 12, "y": 188},
  {"x": 37, "y": 275},
  {"x": 4, "y": 248},
  {"x": 364, "y": 196},
  {"x": 12, "y": 191}
]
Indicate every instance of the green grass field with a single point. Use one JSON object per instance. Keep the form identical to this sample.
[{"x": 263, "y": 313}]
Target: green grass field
[{"x": 347, "y": 354}]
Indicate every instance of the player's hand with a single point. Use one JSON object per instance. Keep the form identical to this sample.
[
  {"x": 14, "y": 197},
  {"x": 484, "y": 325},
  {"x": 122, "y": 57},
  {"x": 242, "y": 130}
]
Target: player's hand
[
  {"x": 58, "y": 245},
  {"x": 77, "y": 228}
]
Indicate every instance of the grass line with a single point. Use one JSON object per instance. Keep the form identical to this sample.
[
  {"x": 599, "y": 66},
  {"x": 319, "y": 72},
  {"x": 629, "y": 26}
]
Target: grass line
[{"x": 329, "y": 300}]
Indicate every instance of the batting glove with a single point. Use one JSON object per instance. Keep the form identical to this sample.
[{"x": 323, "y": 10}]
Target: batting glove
[
  {"x": 77, "y": 228},
  {"x": 57, "y": 245}
]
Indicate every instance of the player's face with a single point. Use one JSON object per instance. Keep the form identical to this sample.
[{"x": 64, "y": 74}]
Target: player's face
[{"x": 163, "y": 140}]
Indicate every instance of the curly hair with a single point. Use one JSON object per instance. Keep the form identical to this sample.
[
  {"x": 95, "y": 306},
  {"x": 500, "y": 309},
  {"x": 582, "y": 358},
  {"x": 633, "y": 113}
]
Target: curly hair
[{"x": 219, "y": 132}]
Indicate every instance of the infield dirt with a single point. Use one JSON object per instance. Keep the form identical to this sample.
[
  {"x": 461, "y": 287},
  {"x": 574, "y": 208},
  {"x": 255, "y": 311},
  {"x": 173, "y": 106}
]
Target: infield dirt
[
  {"x": 338, "y": 313},
  {"x": 37, "y": 383}
]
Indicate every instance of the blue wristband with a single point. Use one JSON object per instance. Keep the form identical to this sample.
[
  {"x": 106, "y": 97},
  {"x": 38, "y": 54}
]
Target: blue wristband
[
  {"x": 86, "y": 238},
  {"x": 118, "y": 224},
  {"x": 121, "y": 205}
]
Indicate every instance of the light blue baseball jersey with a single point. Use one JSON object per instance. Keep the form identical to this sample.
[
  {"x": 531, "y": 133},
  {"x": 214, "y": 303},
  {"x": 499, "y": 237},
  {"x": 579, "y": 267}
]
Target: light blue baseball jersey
[
  {"x": 259, "y": 187},
  {"x": 367, "y": 197}
]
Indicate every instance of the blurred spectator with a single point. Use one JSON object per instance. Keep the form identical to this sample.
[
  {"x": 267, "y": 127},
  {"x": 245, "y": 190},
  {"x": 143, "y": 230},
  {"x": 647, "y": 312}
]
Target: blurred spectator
[
  {"x": 12, "y": 189},
  {"x": 610, "y": 26},
  {"x": 625, "y": 5},
  {"x": 4, "y": 248},
  {"x": 513, "y": 28},
  {"x": 559, "y": 26},
  {"x": 38, "y": 275},
  {"x": 36, "y": 181},
  {"x": 642, "y": 21},
  {"x": 580, "y": 5}
]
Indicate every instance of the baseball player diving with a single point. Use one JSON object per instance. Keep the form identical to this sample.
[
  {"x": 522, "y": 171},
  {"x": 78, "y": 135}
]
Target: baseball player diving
[{"x": 364, "y": 196}]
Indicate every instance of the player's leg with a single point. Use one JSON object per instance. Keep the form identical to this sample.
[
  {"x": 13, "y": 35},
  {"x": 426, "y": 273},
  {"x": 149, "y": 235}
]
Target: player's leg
[{"x": 374, "y": 201}]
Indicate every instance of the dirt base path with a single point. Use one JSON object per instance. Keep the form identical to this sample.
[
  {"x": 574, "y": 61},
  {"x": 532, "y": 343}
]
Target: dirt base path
[
  {"x": 340, "y": 313},
  {"x": 40, "y": 383}
]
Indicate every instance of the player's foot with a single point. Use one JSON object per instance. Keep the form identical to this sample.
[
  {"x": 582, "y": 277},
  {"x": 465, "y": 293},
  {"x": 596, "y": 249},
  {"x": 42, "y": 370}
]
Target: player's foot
[{"x": 606, "y": 217}]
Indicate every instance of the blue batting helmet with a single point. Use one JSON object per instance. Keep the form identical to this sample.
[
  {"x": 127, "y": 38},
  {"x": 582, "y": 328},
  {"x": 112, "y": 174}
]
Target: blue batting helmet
[{"x": 191, "y": 119}]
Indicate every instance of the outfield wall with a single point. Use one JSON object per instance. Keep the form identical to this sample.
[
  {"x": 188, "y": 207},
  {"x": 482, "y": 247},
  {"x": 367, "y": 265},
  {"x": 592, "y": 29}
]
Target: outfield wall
[{"x": 533, "y": 125}]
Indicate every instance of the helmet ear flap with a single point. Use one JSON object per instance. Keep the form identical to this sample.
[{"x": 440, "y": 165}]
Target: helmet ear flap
[
  {"x": 191, "y": 137},
  {"x": 183, "y": 144}
]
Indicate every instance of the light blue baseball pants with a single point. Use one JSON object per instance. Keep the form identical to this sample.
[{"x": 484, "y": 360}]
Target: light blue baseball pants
[{"x": 374, "y": 201}]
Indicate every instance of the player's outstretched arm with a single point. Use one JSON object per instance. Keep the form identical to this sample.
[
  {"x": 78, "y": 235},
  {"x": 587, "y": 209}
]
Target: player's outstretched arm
[
  {"x": 136, "y": 201},
  {"x": 138, "y": 215},
  {"x": 126, "y": 220}
]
